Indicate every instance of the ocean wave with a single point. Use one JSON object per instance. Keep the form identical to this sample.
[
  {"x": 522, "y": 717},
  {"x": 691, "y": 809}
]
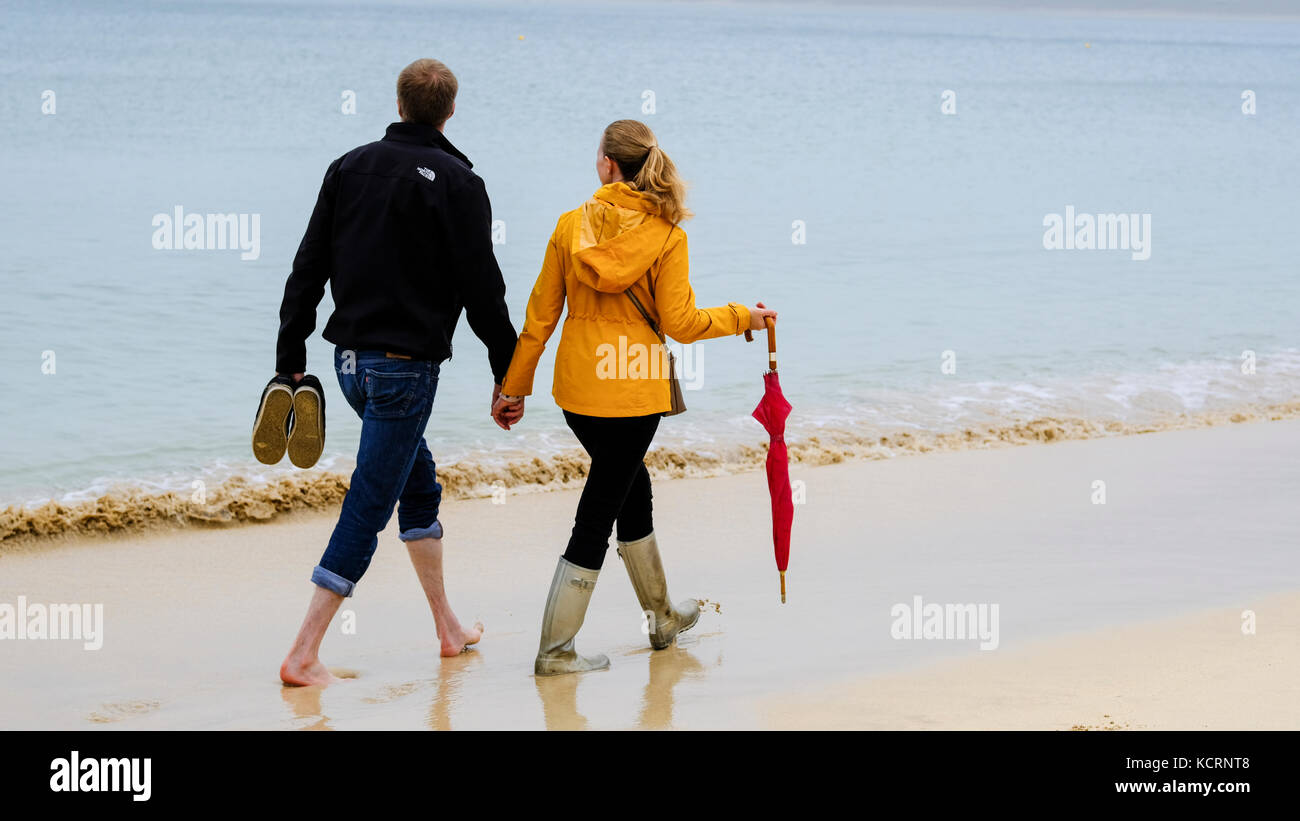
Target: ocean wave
[{"x": 241, "y": 500}]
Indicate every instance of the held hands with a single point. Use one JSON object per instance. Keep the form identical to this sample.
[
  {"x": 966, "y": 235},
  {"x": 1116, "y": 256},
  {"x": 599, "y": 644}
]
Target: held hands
[
  {"x": 757, "y": 315},
  {"x": 506, "y": 410}
]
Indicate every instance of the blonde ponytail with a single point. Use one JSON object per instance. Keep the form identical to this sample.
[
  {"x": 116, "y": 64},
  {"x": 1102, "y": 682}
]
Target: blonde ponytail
[{"x": 646, "y": 167}]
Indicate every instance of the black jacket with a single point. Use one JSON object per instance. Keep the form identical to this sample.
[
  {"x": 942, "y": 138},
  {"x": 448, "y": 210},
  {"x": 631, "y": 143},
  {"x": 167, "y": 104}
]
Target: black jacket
[{"x": 402, "y": 232}]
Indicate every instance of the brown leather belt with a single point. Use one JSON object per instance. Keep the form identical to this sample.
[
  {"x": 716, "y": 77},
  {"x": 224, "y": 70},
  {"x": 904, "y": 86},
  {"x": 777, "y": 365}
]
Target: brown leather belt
[{"x": 392, "y": 355}]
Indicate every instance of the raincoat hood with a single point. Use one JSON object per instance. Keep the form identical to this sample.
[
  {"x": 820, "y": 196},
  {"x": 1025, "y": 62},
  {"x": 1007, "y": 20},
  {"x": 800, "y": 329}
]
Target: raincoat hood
[
  {"x": 613, "y": 242},
  {"x": 617, "y": 237}
]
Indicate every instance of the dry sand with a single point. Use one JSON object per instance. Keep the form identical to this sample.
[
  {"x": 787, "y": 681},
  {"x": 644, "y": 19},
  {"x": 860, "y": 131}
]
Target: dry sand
[
  {"x": 1197, "y": 672},
  {"x": 1127, "y": 612}
]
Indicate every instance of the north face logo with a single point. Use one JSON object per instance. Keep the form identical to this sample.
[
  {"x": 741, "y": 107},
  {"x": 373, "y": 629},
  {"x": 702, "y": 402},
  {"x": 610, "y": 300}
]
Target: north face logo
[{"x": 426, "y": 173}]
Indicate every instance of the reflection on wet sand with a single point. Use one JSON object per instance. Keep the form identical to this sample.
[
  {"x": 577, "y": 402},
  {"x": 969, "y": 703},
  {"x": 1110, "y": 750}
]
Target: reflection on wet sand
[
  {"x": 667, "y": 667},
  {"x": 452, "y": 673},
  {"x": 304, "y": 702},
  {"x": 559, "y": 695}
]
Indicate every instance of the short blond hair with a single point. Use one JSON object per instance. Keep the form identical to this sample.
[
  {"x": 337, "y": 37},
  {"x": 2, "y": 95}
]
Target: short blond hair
[{"x": 426, "y": 90}]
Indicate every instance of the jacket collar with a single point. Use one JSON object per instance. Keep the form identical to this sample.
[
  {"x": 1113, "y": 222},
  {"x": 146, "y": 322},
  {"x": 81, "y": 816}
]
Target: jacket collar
[{"x": 423, "y": 134}]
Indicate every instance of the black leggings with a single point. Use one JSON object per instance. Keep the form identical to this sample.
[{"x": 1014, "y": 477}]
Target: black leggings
[{"x": 618, "y": 485}]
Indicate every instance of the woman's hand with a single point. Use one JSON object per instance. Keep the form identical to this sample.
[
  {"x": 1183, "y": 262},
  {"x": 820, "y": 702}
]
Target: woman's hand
[
  {"x": 507, "y": 410},
  {"x": 757, "y": 316}
]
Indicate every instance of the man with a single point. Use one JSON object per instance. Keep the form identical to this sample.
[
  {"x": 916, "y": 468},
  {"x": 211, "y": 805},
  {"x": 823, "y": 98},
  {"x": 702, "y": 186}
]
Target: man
[{"x": 402, "y": 234}]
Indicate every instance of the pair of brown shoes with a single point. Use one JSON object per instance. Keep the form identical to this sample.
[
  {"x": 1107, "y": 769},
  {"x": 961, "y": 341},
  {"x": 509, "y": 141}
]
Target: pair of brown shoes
[{"x": 290, "y": 418}]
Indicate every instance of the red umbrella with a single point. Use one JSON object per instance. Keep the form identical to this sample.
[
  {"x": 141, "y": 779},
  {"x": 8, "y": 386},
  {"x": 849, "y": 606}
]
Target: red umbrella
[{"x": 772, "y": 411}]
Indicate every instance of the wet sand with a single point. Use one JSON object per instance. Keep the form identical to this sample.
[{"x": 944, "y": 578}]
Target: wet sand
[{"x": 1127, "y": 611}]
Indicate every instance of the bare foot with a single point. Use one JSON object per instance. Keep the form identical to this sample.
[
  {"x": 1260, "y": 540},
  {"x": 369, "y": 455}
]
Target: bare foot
[
  {"x": 456, "y": 639},
  {"x": 297, "y": 674}
]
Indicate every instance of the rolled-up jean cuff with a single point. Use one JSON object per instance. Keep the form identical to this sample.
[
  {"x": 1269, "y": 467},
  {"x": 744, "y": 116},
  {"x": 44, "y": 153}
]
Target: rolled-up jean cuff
[
  {"x": 330, "y": 580},
  {"x": 433, "y": 531}
]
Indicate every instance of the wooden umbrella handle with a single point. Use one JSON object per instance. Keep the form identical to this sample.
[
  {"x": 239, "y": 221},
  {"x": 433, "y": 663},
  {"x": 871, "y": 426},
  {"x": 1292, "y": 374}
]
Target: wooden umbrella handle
[{"x": 771, "y": 341}]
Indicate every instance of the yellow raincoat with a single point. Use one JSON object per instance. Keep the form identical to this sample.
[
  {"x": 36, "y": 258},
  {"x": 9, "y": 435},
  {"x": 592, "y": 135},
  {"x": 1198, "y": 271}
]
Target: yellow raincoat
[{"x": 609, "y": 362}]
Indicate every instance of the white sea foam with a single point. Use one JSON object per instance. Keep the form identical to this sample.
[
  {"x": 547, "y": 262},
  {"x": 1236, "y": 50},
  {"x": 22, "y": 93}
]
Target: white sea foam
[{"x": 978, "y": 414}]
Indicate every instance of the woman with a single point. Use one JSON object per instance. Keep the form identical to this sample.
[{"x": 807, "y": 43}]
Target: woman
[{"x": 625, "y": 238}]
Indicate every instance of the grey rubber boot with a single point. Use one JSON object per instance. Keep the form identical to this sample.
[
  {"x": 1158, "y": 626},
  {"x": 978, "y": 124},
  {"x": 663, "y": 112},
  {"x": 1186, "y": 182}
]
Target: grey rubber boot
[
  {"x": 646, "y": 569},
  {"x": 566, "y": 607}
]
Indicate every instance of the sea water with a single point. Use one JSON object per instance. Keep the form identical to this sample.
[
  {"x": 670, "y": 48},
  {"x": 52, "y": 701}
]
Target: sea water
[{"x": 887, "y": 179}]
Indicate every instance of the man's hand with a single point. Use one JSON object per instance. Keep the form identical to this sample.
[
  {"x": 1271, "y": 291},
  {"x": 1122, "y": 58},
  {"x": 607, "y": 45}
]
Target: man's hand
[{"x": 507, "y": 410}]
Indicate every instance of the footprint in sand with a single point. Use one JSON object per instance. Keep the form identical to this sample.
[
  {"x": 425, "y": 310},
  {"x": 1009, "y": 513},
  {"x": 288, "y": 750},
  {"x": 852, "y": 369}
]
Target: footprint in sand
[
  {"x": 393, "y": 693},
  {"x": 110, "y": 713}
]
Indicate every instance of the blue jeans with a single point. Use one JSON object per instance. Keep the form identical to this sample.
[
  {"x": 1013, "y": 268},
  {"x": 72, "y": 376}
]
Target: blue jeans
[{"x": 393, "y": 397}]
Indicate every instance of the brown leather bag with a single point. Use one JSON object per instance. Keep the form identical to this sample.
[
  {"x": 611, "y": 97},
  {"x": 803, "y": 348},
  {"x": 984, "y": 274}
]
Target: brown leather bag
[{"x": 674, "y": 386}]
